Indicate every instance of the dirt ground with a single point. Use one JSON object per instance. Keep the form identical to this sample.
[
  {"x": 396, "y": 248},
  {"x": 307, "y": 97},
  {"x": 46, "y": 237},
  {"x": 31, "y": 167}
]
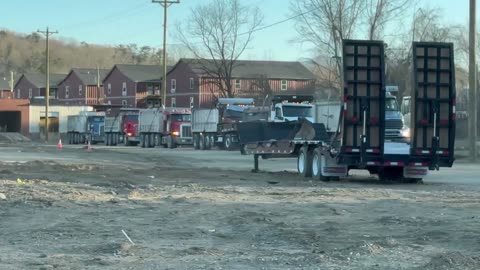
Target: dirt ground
[{"x": 69, "y": 209}]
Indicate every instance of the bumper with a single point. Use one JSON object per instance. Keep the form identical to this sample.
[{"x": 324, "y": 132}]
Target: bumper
[
  {"x": 183, "y": 140},
  {"x": 133, "y": 139}
]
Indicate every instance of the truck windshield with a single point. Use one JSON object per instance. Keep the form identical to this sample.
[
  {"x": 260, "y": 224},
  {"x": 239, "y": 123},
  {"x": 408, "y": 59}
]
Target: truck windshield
[
  {"x": 96, "y": 119},
  {"x": 133, "y": 117},
  {"x": 297, "y": 111},
  {"x": 181, "y": 117},
  {"x": 391, "y": 105}
]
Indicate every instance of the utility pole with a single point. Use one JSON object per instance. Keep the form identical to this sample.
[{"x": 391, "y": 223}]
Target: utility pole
[
  {"x": 47, "y": 34},
  {"x": 99, "y": 93},
  {"x": 165, "y": 4},
  {"x": 11, "y": 82},
  {"x": 472, "y": 88}
]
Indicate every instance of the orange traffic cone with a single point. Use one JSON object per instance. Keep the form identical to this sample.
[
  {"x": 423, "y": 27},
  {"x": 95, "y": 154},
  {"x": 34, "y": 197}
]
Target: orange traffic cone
[{"x": 59, "y": 144}]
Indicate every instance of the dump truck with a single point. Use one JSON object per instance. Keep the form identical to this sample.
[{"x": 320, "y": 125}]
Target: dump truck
[
  {"x": 168, "y": 127},
  {"x": 291, "y": 107},
  {"x": 217, "y": 126},
  {"x": 359, "y": 141},
  {"x": 86, "y": 127},
  {"x": 396, "y": 128},
  {"x": 122, "y": 128}
]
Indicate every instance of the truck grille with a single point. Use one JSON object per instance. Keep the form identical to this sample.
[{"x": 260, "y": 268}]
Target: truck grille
[
  {"x": 393, "y": 124},
  {"x": 186, "y": 131}
]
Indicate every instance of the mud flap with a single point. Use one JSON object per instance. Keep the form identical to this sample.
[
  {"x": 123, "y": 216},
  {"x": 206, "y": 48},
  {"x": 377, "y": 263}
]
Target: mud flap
[
  {"x": 415, "y": 172},
  {"x": 330, "y": 167}
]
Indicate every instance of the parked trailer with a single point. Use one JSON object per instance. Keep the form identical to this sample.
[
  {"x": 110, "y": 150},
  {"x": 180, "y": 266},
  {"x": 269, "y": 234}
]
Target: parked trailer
[
  {"x": 169, "y": 127},
  {"x": 122, "y": 128},
  {"x": 86, "y": 126},
  {"x": 360, "y": 144},
  {"x": 218, "y": 126}
]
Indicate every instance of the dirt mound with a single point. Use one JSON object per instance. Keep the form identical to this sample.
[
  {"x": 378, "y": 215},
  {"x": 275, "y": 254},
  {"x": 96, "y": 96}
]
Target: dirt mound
[{"x": 12, "y": 137}]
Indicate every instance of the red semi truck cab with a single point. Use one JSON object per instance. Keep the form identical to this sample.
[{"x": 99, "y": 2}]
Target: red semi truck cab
[
  {"x": 129, "y": 125},
  {"x": 179, "y": 127}
]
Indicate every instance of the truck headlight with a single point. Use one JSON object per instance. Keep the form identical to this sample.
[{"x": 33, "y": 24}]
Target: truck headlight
[
  {"x": 175, "y": 133},
  {"x": 405, "y": 132}
]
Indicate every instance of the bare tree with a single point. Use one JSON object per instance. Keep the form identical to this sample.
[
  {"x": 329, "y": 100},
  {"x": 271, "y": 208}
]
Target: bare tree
[
  {"x": 217, "y": 34},
  {"x": 325, "y": 23},
  {"x": 380, "y": 12}
]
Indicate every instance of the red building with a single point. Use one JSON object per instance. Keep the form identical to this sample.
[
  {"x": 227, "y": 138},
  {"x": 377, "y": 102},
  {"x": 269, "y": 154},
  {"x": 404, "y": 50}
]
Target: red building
[
  {"x": 34, "y": 85},
  {"x": 191, "y": 82},
  {"x": 5, "y": 88},
  {"x": 129, "y": 85},
  {"x": 80, "y": 86}
]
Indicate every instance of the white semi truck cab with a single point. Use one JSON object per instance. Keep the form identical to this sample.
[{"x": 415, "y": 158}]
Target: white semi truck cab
[{"x": 286, "y": 108}]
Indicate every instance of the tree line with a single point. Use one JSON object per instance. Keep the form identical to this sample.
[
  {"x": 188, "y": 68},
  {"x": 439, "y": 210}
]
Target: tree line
[{"x": 22, "y": 53}]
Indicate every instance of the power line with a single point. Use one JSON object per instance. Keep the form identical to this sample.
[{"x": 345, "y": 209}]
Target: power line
[
  {"x": 109, "y": 18},
  {"x": 266, "y": 26}
]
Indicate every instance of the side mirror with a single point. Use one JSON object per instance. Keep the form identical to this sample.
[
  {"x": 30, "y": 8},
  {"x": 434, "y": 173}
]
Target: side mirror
[{"x": 280, "y": 117}]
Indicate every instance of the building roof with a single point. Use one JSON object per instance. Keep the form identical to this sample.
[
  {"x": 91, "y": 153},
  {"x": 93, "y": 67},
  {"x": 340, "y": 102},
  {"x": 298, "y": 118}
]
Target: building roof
[
  {"x": 39, "y": 79},
  {"x": 254, "y": 69},
  {"x": 141, "y": 73},
  {"x": 88, "y": 76}
]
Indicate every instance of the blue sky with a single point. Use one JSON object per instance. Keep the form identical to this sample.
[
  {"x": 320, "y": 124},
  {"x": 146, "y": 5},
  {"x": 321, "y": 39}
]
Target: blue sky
[{"x": 139, "y": 21}]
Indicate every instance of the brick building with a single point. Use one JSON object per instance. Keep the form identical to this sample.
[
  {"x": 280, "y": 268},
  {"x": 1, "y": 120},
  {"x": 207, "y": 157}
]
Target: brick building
[
  {"x": 190, "y": 82},
  {"x": 80, "y": 86}
]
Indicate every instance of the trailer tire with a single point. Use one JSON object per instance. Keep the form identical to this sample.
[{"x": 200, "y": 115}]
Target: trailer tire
[
  {"x": 116, "y": 139},
  {"x": 304, "y": 162},
  {"x": 201, "y": 142},
  {"x": 107, "y": 139},
  {"x": 317, "y": 166}
]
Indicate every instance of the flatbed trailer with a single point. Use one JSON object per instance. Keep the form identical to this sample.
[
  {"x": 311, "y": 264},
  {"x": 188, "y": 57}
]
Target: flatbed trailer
[{"x": 359, "y": 143}]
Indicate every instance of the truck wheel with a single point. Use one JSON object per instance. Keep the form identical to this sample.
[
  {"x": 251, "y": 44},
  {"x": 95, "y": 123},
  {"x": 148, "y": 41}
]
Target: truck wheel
[
  {"x": 142, "y": 140},
  {"x": 107, "y": 139},
  {"x": 228, "y": 142},
  {"x": 201, "y": 142},
  {"x": 171, "y": 142},
  {"x": 125, "y": 141},
  {"x": 117, "y": 139},
  {"x": 195, "y": 141},
  {"x": 208, "y": 142},
  {"x": 243, "y": 149},
  {"x": 304, "y": 162}
]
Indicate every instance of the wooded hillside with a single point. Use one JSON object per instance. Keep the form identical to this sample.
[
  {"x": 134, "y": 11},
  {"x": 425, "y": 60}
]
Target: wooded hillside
[{"x": 23, "y": 53}]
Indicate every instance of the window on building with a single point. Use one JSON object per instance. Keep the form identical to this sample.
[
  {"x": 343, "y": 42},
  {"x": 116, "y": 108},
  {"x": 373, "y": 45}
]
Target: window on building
[
  {"x": 191, "y": 83},
  {"x": 30, "y": 93},
  {"x": 18, "y": 93},
  {"x": 67, "y": 91},
  {"x": 109, "y": 88},
  {"x": 124, "y": 89},
  {"x": 124, "y": 102},
  {"x": 192, "y": 102},
  {"x": 237, "y": 84},
  {"x": 174, "y": 102},
  {"x": 80, "y": 90},
  {"x": 150, "y": 89},
  {"x": 284, "y": 85},
  {"x": 174, "y": 85},
  {"x": 109, "y": 102}
]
